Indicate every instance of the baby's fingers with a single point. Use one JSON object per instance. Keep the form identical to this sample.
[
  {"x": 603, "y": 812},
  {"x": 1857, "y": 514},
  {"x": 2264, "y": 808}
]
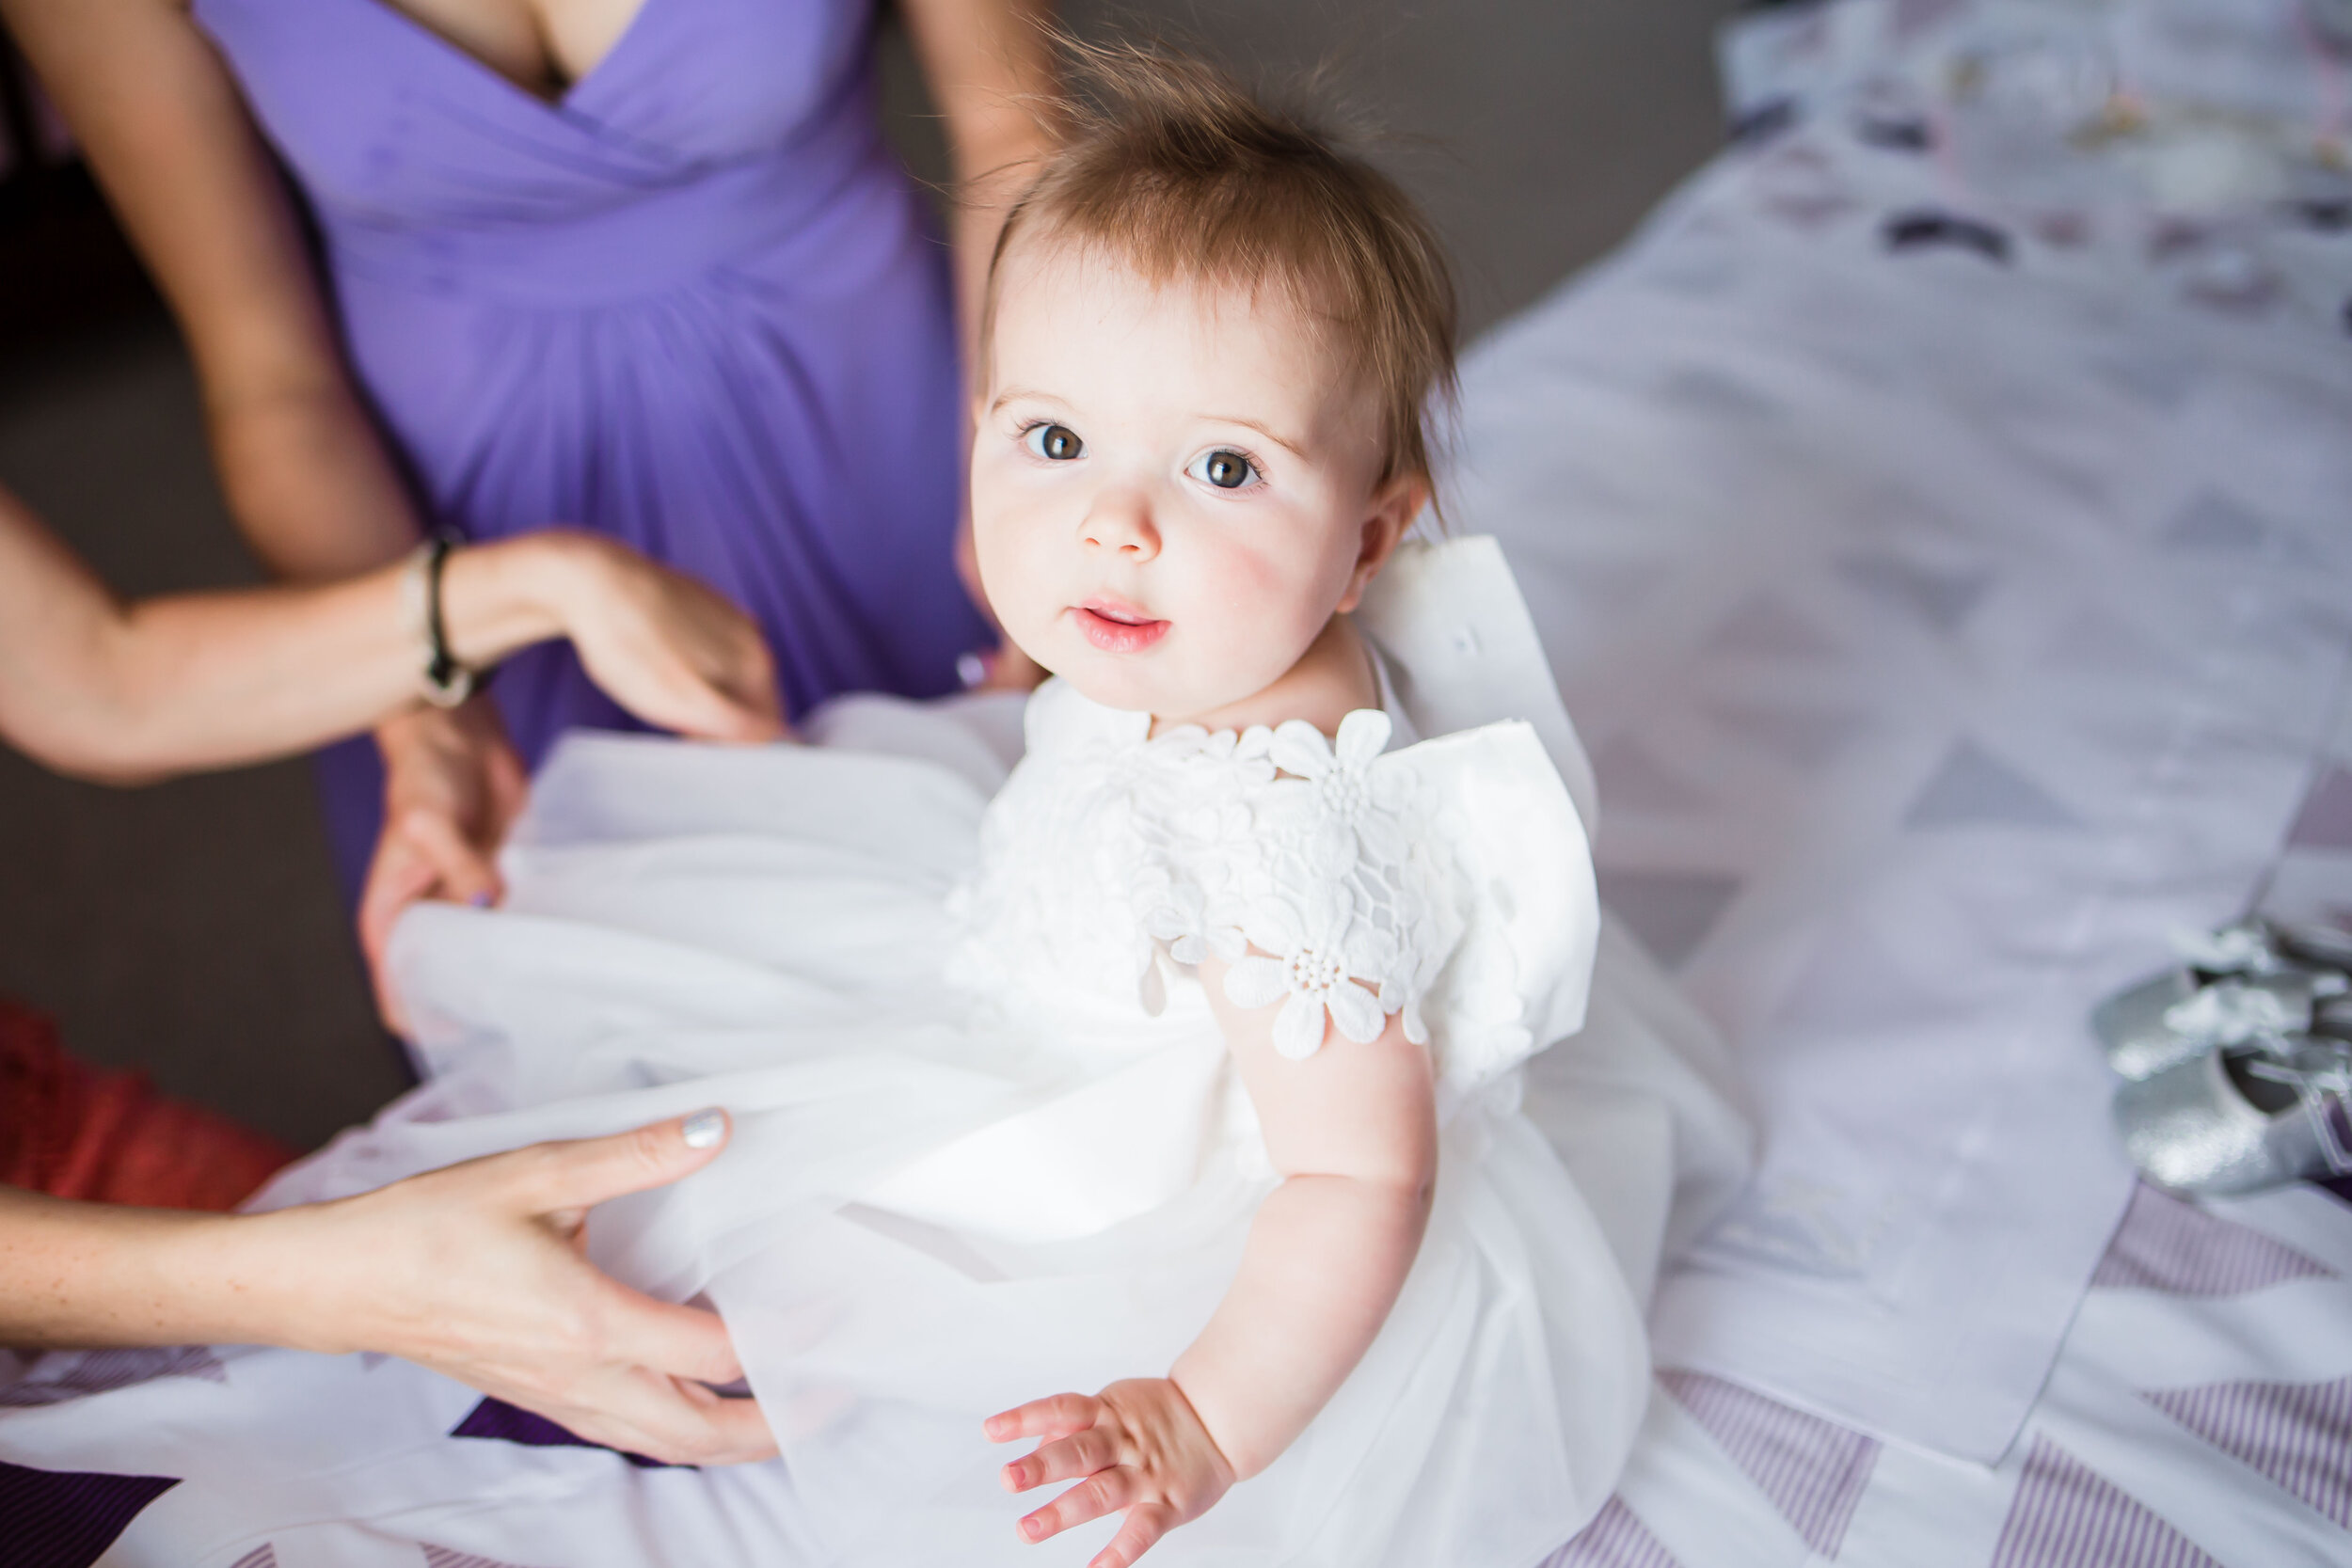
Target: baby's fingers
[
  {"x": 1056, "y": 1417},
  {"x": 1146, "y": 1523},
  {"x": 1103, "y": 1492},
  {"x": 1081, "y": 1455}
]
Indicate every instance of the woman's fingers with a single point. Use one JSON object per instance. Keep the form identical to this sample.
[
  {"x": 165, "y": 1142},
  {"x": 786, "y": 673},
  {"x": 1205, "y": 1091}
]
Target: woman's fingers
[
  {"x": 642, "y": 1413},
  {"x": 1066, "y": 1459},
  {"x": 1103, "y": 1492},
  {"x": 505, "y": 782},
  {"x": 748, "y": 686},
  {"x": 463, "y": 870},
  {"x": 1146, "y": 1523},
  {"x": 723, "y": 710},
  {"x": 581, "y": 1173},
  {"x": 565, "y": 1180},
  {"x": 671, "y": 650},
  {"x": 480, "y": 1278},
  {"x": 680, "y": 1341},
  {"x": 1055, "y": 1416},
  {"x": 398, "y": 875}
]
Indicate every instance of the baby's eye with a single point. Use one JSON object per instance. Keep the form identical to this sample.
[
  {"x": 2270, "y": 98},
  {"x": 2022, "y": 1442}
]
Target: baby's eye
[
  {"x": 1224, "y": 467},
  {"x": 1056, "y": 441}
]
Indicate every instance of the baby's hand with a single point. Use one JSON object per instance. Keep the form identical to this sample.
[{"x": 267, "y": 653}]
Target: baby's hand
[{"x": 1136, "y": 1445}]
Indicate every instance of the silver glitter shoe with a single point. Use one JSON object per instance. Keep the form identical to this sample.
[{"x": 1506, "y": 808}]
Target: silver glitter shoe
[
  {"x": 2242, "y": 983},
  {"x": 2242, "y": 1117}
]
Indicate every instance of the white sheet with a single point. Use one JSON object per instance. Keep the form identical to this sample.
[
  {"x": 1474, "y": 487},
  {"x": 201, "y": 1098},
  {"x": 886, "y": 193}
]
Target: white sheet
[
  {"x": 1948, "y": 630},
  {"x": 2200, "y": 1412}
]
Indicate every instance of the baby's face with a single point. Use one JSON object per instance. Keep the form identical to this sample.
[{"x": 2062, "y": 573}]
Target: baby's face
[{"x": 1172, "y": 489}]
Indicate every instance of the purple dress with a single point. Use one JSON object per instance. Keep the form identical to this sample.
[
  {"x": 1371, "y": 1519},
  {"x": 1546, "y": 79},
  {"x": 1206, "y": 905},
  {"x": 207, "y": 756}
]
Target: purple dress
[{"x": 694, "y": 304}]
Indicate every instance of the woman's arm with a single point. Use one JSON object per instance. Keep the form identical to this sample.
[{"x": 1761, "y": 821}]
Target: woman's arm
[
  {"x": 475, "y": 1271},
  {"x": 93, "y": 687},
  {"x": 162, "y": 125},
  {"x": 307, "y": 477},
  {"x": 990, "y": 66},
  {"x": 1353, "y": 1131}
]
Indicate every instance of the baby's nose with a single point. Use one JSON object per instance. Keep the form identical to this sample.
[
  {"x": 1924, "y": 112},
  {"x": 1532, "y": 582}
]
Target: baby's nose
[{"x": 1122, "y": 521}]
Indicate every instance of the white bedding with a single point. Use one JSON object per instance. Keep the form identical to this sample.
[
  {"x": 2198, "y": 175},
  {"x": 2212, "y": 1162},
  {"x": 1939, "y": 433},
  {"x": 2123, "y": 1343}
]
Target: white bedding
[
  {"x": 2200, "y": 1412},
  {"x": 1950, "y": 627},
  {"x": 1947, "y": 631}
]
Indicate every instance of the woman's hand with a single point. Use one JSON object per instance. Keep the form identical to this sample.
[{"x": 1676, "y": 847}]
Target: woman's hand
[
  {"x": 475, "y": 1271},
  {"x": 478, "y": 1272},
  {"x": 1138, "y": 1445},
  {"x": 662, "y": 645},
  {"x": 665, "y": 647},
  {"x": 452, "y": 785}
]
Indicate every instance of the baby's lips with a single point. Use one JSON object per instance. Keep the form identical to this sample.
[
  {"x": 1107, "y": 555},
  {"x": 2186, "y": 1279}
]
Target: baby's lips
[
  {"x": 1115, "y": 636},
  {"x": 1120, "y": 610}
]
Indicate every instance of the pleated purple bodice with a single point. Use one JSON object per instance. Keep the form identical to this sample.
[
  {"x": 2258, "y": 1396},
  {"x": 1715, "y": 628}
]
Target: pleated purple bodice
[{"x": 693, "y": 304}]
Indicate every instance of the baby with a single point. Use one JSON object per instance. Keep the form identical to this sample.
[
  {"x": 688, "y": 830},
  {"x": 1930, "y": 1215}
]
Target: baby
[
  {"x": 1208, "y": 350},
  {"x": 1210, "y": 344},
  {"x": 1239, "y": 1053}
]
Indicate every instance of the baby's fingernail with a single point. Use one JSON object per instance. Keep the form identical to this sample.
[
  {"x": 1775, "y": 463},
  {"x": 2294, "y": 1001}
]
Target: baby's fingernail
[
  {"x": 704, "y": 1129},
  {"x": 1033, "y": 1527}
]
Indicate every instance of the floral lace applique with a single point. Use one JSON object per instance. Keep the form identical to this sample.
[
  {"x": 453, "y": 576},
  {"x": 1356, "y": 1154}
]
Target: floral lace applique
[
  {"x": 1327, "y": 873},
  {"x": 1308, "y": 883}
]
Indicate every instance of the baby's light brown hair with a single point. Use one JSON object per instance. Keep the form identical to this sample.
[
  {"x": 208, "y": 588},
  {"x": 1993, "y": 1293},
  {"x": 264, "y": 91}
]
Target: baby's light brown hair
[{"x": 1171, "y": 166}]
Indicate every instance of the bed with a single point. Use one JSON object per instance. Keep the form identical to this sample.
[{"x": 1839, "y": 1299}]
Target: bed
[{"x": 1942, "y": 528}]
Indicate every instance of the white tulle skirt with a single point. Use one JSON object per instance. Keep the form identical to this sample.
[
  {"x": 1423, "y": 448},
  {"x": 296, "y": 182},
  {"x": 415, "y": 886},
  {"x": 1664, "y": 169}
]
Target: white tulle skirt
[{"x": 768, "y": 931}]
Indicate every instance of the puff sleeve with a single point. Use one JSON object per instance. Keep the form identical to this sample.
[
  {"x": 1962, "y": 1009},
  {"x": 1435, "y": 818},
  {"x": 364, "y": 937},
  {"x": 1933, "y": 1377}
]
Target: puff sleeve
[{"x": 1448, "y": 883}]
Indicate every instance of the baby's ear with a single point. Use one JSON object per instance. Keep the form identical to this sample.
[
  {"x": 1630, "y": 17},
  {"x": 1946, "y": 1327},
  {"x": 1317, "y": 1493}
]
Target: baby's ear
[{"x": 1395, "y": 506}]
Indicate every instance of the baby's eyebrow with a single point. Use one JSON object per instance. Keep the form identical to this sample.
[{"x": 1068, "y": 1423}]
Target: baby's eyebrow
[
  {"x": 1292, "y": 447},
  {"x": 1015, "y": 394}
]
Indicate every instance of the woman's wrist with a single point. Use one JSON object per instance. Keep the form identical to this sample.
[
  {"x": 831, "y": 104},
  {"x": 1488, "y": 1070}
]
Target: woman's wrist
[
  {"x": 237, "y": 1279},
  {"x": 505, "y": 595},
  {"x": 85, "y": 1275}
]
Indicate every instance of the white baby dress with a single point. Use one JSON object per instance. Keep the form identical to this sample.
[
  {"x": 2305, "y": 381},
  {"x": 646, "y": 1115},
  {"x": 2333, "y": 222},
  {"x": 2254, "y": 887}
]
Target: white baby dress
[{"x": 988, "y": 1142}]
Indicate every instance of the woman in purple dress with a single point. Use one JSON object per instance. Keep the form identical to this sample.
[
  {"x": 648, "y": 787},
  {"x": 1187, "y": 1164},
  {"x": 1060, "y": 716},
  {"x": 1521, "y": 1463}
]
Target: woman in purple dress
[{"x": 643, "y": 266}]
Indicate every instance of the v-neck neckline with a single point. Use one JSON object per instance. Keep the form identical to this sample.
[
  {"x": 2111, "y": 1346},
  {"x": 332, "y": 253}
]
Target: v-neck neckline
[{"x": 564, "y": 104}]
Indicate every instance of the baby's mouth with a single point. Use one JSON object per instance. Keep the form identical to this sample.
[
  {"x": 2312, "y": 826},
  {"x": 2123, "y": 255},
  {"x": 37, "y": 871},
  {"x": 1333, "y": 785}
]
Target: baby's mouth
[{"x": 1118, "y": 628}]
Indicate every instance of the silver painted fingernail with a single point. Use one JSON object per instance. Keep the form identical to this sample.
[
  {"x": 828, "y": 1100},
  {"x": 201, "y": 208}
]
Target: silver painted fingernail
[{"x": 704, "y": 1129}]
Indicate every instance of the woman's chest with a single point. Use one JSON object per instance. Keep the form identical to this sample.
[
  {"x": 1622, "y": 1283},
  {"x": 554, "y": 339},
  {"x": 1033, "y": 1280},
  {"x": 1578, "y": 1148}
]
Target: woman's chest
[
  {"x": 542, "y": 46},
  {"x": 483, "y": 108}
]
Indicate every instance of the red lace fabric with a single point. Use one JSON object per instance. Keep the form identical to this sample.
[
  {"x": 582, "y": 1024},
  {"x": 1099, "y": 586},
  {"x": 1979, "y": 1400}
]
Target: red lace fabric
[{"x": 75, "y": 1131}]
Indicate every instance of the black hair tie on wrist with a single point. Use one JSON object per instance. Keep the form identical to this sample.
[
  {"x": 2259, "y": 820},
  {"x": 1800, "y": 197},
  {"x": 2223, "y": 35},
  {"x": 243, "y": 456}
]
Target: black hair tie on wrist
[{"x": 447, "y": 683}]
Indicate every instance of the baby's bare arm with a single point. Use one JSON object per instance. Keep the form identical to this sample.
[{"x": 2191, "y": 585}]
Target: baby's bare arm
[{"x": 1353, "y": 1131}]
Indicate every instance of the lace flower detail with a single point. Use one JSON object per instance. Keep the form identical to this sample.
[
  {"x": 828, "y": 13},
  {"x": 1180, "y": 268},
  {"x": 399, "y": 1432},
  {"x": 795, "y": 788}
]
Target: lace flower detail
[
  {"x": 1338, "y": 798},
  {"x": 1311, "y": 955},
  {"x": 1177, "y": 917}
]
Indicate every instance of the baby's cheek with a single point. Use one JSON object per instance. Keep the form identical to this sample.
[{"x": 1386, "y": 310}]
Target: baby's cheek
[
  {"x": 1273, "y": 607},
  {"x": 1263, "y": 574},
  {"x": 1010, "y": 563}
]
